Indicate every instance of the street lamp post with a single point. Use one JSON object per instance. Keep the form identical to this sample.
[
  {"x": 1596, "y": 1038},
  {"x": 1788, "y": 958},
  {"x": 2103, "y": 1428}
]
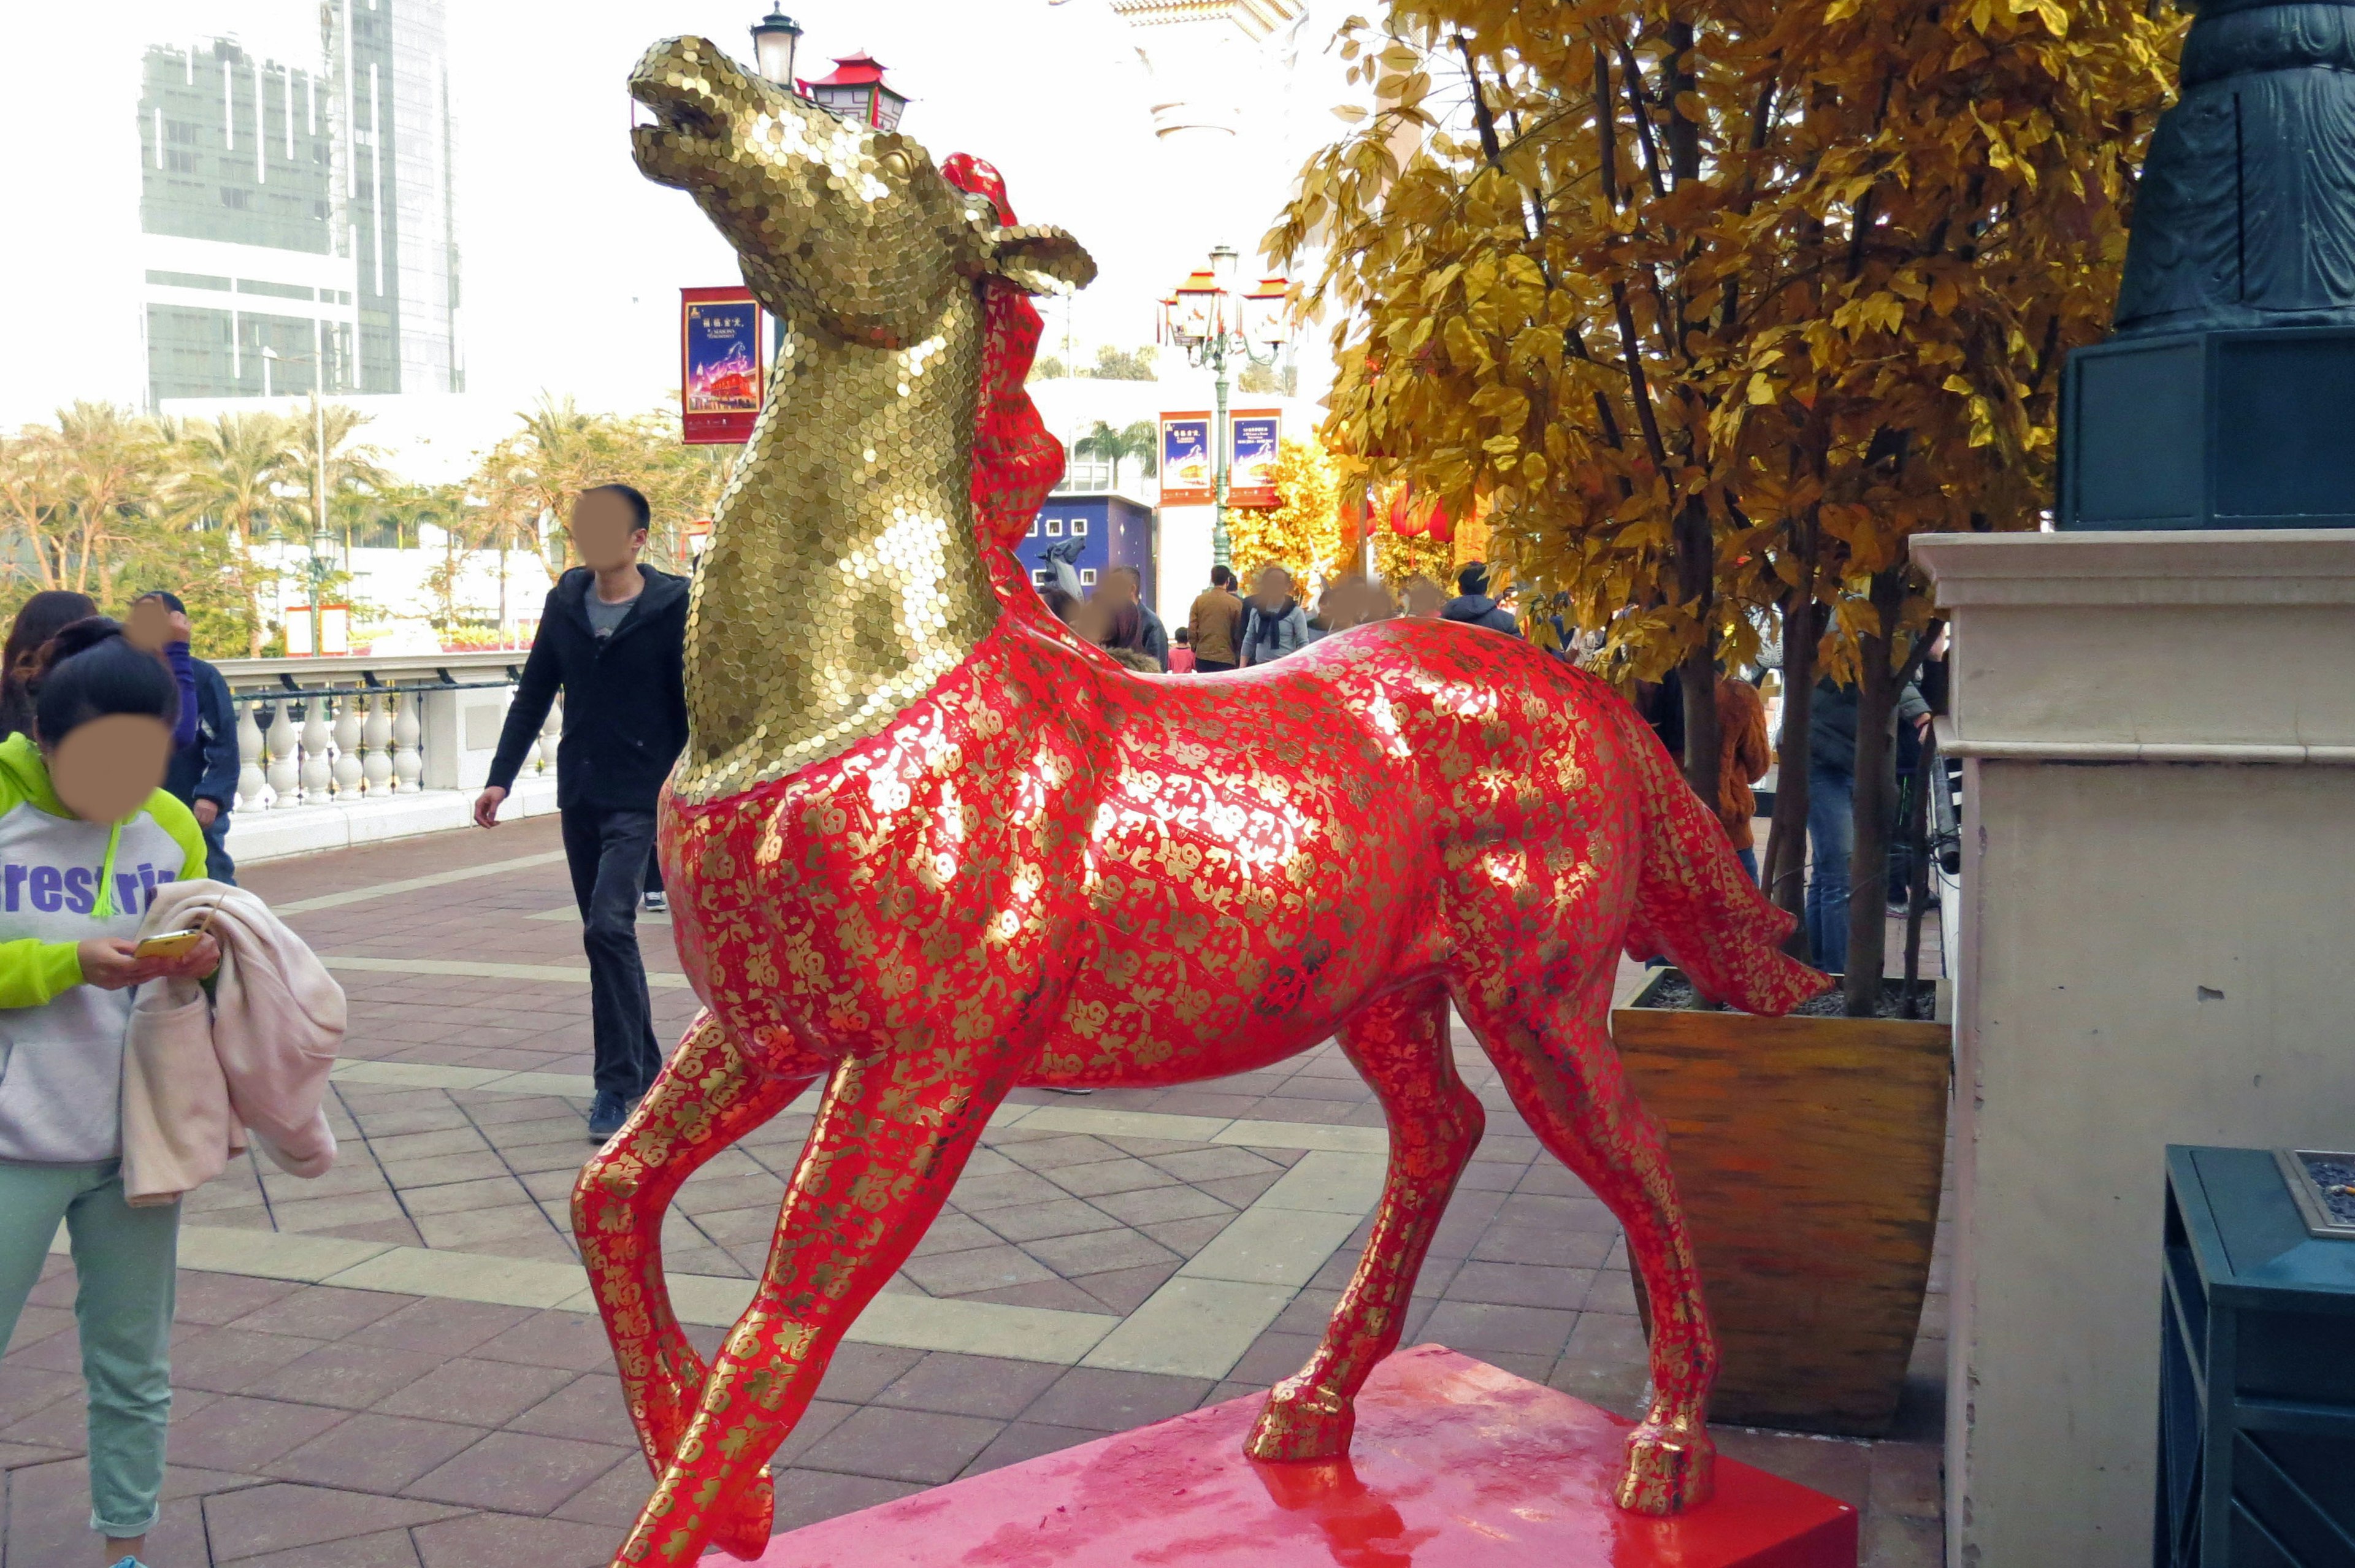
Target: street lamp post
[
  {"x": 774, "y": 38},
  {"x": 1211, "y": 323},
  {"x": 312, "y": 572}
]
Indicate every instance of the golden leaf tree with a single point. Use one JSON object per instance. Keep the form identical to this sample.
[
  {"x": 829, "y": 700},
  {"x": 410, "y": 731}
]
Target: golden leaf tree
[
  {"x": 1717, "y": 303},
  {"x": 1302, "y": 532},
  {"x": 1400, "y": 557}
]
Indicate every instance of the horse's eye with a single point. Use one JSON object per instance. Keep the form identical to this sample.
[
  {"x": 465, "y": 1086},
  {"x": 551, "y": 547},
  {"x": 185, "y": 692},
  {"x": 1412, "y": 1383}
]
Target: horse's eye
[{"x": 894, "y": 164}]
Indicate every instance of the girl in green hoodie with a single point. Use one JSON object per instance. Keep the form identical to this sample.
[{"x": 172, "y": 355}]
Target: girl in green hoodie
[{"x": 86, "y": 835}]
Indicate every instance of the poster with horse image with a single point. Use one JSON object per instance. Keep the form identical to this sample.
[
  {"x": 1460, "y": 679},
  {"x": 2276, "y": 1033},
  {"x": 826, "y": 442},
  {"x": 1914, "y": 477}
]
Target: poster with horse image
[
  {"x": 720, "y": 365},
  {"x": 1185, "y": 477},
  {"x": 1252, "y": 438}
]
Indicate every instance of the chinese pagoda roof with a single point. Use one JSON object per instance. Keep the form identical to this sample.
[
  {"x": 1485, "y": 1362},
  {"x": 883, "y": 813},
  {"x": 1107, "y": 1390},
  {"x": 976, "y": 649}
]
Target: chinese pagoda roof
[{"x": 861, "y": 69}]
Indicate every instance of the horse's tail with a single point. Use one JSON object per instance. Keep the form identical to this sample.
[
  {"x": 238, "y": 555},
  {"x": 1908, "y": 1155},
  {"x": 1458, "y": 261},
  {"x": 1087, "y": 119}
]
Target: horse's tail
[{"x": 1694, "y": 903}]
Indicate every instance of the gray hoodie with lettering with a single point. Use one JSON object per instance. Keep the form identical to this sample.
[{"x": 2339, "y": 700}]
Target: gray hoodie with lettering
[{"x": 60, "y": 1039}]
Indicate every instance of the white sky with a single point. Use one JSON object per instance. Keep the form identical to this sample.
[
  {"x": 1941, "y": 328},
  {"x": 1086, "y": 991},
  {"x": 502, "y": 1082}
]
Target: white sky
[{"x": 571, "y": 261}]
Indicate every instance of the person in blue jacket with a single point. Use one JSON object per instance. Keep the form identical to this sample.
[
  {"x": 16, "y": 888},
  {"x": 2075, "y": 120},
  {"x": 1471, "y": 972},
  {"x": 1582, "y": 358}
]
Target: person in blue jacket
[{"x": 205, "y": 764}]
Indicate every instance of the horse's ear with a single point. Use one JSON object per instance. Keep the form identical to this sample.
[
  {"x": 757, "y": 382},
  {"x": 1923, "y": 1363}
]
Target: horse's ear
[{"x": 1039, "y": 260}]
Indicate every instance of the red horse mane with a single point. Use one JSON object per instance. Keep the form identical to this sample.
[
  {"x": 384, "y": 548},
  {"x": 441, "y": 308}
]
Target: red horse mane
[{"x": 1016, "y": 459}]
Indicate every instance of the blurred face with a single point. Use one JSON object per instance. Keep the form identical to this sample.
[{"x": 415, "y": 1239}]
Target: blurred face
[
  {"x": 106, "y": 768},
  {"x": 1340, "y": 607},
  {"x": 149, "y": 626},
  {"x": 1275, "y": 587},
  {"x": 606, "y": 530}
]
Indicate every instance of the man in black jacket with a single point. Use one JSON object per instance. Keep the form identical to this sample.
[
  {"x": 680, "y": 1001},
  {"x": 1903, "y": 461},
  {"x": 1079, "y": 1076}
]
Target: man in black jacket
[
  {"x": 613, "y": 635},
  {"x": 1473, "y": 607}
]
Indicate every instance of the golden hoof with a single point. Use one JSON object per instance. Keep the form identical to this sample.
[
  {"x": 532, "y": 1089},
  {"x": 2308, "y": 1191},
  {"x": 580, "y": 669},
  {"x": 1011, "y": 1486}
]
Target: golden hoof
[
  {"x": 1302, "y": 1422},
  {"x": 1669, "y": 1469}
]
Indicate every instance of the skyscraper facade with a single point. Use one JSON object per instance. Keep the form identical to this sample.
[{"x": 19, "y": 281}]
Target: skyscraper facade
[{"x": 296, "y": 215}]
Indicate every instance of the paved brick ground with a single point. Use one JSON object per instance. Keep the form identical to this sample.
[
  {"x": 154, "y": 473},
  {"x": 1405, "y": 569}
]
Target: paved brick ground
[{"x": 341, "y": 1428}]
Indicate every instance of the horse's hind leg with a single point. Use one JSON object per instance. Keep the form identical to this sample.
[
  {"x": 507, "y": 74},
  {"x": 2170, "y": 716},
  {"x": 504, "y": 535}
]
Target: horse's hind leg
[
  {"x": 1555, "y": 1056},
  {"x": 1400, "y": 1044},
  {"x": 707, "y": 1097}
]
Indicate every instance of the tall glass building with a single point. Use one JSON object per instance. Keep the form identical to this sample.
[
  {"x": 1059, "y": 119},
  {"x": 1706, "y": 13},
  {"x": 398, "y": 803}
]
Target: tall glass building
[{"x": 302, "y": 206}]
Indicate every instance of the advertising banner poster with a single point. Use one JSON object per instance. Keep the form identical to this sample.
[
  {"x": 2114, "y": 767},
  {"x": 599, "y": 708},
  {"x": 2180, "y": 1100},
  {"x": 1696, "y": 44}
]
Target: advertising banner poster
[
  {"x": 1251, "y": 457},
  {"x": 1186, "y": 477},
  {"x": 720, "y": 380}
]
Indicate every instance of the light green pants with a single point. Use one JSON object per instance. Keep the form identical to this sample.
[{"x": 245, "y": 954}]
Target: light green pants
[{"x": 123, "y": 1260}]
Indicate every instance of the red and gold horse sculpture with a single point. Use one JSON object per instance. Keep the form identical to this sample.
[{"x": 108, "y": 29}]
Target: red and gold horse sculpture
[{"x": 926, "y": 847}]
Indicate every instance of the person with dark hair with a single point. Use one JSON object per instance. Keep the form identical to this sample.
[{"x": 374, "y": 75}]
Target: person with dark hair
[
  {"x": 43, "y": 616},
  {"x": 642, "y": 514},
  {"x": 613, "y": 635},
  {"x": 1275, "y": 625},
  {"x": 1472, "y": 606},
  {"x": 86, "y": 835},
  {"x": 1215, "y": 623},
  {"x": 205, "y": 764},
  {"x": 1136, "y": 626}
]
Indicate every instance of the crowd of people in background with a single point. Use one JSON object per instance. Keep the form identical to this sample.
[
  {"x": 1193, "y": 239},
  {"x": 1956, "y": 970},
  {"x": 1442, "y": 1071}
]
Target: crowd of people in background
[{"x": 1228, "y": 629}]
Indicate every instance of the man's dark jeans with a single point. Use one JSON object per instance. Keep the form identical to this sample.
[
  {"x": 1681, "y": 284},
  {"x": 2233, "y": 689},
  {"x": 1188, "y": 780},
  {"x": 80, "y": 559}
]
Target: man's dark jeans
[
  {"x": 1831, "y": 833},
  {"x": 607, "y": 851},
  {"x": 1213, "y": 667},
  {"x": 217, "y": 864}
]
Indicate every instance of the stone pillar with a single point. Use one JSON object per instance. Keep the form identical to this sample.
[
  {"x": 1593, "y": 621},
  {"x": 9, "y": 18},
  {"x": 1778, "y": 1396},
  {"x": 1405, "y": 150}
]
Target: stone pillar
[{"x": 2158, "y": 736}]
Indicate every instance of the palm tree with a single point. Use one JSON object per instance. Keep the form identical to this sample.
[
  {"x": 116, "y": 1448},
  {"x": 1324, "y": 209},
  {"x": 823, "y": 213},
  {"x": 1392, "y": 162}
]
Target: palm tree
[
  {"x": 109, "y": 472},
  {"x": 30, "y": 486},
  {"x": 231, "y": 472},
  {"x": 354, "y": 472},
  {"x": 1103, "y": 443}
]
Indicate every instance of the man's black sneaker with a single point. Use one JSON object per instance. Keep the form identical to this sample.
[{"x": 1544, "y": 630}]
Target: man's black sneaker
[
  {"x": 658, "y": 903},
  {"x": 606, "y": 1114}
]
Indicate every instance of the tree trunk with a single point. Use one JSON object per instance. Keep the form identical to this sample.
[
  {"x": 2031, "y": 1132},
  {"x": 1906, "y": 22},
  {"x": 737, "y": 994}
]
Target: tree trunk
[
  {"x": 1697, "y": 676},
  {"x": 1876, "y": 791},
  {"x": 253, "y": 637},
  {"x": 1785, "y": 866},
  {"x": 1697, "y": 585}
]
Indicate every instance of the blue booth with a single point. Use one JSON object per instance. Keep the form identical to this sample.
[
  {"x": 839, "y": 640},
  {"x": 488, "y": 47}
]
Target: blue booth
[{"x": 1113, "y": 530}]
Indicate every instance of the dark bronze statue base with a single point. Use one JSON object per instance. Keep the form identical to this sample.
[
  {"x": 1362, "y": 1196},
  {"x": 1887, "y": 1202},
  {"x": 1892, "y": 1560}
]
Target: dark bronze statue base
[{"x": 2210, "y": 430}]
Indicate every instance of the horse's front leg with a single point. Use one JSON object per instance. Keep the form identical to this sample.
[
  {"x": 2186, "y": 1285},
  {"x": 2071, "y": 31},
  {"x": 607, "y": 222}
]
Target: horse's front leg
[
  {"x": 709, "y": 1096},
  {"x": 892, "y": 1134}
]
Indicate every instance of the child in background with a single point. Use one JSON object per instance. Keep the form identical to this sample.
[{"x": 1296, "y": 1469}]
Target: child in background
[{"x": 1181, "y": 653}]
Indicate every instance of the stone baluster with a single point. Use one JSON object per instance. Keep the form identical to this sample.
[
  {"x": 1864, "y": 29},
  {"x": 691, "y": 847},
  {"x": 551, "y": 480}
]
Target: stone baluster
[
  {"x": 348, "y": 747},
  {"x": 318, "y": 775},
  {"x": 278, "y": 738},
  {"x": 407, "y": 764},
  {"x": 551, "y": 731},
  {"x": 376, "y": 744},
  {"x": 251, "y": 784}
]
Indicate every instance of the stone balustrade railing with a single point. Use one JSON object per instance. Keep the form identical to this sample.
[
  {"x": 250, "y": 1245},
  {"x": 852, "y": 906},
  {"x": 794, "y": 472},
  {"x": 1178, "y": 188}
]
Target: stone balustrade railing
[{"x": 344, "y": 729}]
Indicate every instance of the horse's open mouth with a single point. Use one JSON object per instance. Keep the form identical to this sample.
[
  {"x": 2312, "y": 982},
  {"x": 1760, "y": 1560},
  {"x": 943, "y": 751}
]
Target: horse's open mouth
[{"x": 670, "y": 108}]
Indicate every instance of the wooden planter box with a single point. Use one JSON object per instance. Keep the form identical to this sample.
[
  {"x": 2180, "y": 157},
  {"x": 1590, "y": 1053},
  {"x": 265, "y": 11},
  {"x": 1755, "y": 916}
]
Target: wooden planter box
[{"x": 1808, "y": 1153}]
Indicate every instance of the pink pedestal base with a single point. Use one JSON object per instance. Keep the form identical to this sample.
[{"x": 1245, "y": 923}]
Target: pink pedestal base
[{"x": 1454, "y": 1463}]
